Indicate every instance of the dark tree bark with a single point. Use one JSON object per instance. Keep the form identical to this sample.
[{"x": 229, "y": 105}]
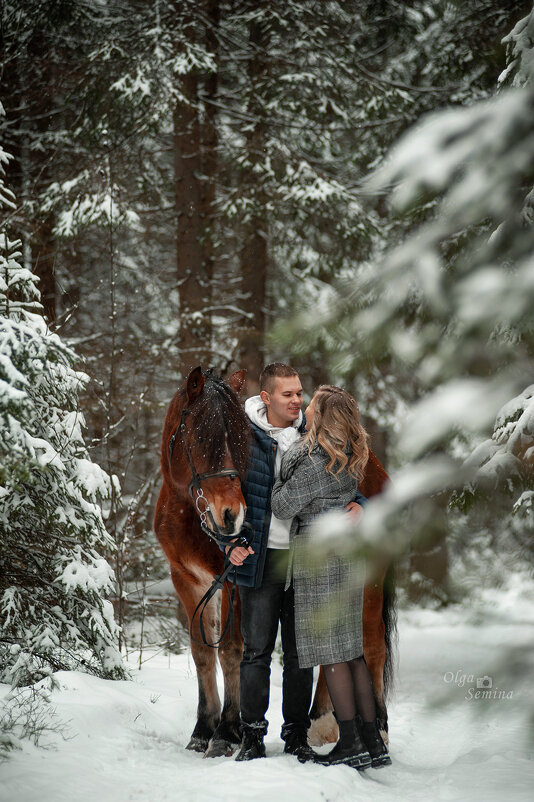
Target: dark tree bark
[
  {"x": 209, "y": 137},
  {"x": 43, "y": 262},
  {"x": 378, "y": 438},
  {"x": 43, "y": 245},
  {"x": 28, "y": 94},
  {"x": 192, "y": 273},
  {"x": 254, "y": 251},
  {"x": 429, "y": 560},
  {"x": 195, "y": 168}
]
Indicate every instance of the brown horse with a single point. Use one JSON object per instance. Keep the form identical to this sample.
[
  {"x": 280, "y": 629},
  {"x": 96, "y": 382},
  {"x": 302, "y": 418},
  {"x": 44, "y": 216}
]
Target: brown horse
[
  {"x": 204, "y": 453},
  {"x": 213, "y": 438}
]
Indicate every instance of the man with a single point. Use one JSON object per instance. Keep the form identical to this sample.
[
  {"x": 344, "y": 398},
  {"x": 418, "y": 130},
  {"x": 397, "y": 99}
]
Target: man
[{"x": 277, "y": 422}]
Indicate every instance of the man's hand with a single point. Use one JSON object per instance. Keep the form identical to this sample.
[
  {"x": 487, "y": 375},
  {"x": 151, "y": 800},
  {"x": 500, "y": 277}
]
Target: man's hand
[
  {"x": 239, "y": 554},
  {"x": 354, "y": 510}
]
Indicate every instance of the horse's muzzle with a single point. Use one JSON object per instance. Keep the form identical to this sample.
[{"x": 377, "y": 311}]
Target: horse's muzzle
[{"x": 232, "y": 523}]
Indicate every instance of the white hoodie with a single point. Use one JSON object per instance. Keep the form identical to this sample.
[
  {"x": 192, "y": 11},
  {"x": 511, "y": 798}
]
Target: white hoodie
[{"x": 257, "y": 412}]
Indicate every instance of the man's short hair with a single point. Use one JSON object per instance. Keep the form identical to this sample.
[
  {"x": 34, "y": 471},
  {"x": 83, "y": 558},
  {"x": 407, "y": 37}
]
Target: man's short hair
[{"x": 274, "y": 371}]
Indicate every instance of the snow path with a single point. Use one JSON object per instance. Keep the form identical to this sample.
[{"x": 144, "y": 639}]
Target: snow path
[{"x": 127, "y": 738}]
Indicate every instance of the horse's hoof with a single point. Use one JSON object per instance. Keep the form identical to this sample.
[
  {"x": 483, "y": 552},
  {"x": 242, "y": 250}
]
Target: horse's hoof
[
  {"x": 197, "y": 744},
  {"x": 383, "y": 728},
  {"x": 220, "y": 748},
  {"x": 323, "y": 730}
]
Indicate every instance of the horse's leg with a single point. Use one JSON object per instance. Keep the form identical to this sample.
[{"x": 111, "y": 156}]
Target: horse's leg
[
  {"x": 227, "y": 735},
  {"x": 374, "y": 647},
  {"x": 209, "y": 703}
]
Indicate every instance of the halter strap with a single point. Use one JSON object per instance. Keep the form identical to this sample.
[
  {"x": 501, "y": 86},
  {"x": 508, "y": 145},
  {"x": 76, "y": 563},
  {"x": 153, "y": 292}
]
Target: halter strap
[
  {"x": 195, "y": 484},
  {"x": 231, "y": 472}
]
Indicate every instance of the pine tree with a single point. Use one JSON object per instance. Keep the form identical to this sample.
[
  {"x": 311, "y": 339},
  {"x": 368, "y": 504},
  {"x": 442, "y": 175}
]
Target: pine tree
[
  {"x": 53, "y": 575},
  {"x": 454, "y": 303},
  {"x": 231, "y": 137}
]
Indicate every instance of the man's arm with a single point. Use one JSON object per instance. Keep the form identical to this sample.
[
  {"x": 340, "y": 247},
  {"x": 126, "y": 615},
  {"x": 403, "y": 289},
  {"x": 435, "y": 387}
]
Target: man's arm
[
  {"x": 355, "y": 507},
  {"x": 360, "y": 499}
]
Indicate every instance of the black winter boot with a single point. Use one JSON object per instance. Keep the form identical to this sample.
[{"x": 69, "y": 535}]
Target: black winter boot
[
  {"x": 349, "y": 750},
  {"x": 252, "y": 745},
  {"x": 374, "y": 743},
  {"x": 296, "y": 738}
]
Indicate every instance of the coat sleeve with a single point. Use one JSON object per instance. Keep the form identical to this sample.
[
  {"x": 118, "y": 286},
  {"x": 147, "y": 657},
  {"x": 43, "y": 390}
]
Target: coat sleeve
[
  {"x": 291, "y": 496},
  {"x": 359, "y": 498}
]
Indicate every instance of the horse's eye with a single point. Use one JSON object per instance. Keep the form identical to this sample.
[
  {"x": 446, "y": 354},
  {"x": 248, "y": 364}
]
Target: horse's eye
[{"x": 200, "y": 439}]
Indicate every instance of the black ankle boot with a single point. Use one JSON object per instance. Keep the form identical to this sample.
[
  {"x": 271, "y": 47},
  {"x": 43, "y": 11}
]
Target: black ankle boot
[
  {"x": 349, "y": 750},
  {"x": 296, "y": 738},
  {"x": 374, "y": 743},
  {"x": 252, "y": 745}
]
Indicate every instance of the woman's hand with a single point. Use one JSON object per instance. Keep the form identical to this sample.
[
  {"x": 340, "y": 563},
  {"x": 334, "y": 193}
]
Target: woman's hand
[
  {"x": 239, "y": 554},
  {"x": 354, "y": 510}
]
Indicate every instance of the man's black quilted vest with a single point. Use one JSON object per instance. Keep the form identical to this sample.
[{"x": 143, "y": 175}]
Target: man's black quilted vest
[{"x": 257, "y": 492}]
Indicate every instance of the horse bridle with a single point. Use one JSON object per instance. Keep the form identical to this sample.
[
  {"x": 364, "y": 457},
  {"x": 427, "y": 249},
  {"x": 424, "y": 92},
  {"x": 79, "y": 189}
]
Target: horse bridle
[
  {"x": 226, "y": 542},
  {"x": 195, "y": 484}
]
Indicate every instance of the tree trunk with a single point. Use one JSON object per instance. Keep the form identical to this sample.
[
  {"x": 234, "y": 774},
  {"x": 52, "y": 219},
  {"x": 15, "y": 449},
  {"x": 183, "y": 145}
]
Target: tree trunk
[
  {"x": 190, "y": 256},
  {"x": 43, "y": 245},
  {"x": 27, "y": 120},
  {"x": 43, "y": 260},
  {"x": 429, "y": 559},
  {"x": 195, "y": 167},
  {"x": 378, "y": 437},
  {"x": 254, "y": 250},
  {"x": 209, "y": 142}
]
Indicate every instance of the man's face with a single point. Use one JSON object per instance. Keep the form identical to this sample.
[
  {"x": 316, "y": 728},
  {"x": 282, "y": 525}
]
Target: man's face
[{"x": 284, "y": 402}]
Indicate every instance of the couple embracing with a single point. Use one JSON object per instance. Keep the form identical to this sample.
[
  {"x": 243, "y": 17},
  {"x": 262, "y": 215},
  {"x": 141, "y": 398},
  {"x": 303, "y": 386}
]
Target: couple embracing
[{"x": 300, "y": 467}]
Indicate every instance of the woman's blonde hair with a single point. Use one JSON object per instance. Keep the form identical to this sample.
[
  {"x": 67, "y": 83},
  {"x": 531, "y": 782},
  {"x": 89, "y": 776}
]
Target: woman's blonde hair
[{"x": 336, "y": 427}]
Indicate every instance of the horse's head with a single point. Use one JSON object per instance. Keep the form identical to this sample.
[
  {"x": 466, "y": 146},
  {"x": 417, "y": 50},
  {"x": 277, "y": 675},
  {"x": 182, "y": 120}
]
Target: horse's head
[{"x": 209, "y": 449}]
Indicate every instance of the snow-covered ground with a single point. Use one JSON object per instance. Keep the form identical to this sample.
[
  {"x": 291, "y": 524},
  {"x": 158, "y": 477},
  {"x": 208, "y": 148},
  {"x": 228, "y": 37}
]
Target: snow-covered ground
[{"x": 126, "y": 739}]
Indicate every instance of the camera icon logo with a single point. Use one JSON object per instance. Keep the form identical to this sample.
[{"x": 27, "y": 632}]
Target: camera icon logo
[{"x": 484, "y": 682}]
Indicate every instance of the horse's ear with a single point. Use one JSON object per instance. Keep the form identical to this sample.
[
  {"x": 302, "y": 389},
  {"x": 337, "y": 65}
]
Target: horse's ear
[
  {"x": 194, "y": 386},
  {"x": 237, "y": 381}
]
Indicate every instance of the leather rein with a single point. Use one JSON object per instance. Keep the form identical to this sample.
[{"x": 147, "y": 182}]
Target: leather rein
[{"x": 220, "y": 581}]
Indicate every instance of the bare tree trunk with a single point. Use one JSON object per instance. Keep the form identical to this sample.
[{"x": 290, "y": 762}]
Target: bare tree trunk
[
  {"x": 254, "y": 251},
  {"x": 43, "y": 258},
  {"x": 209, "y": 138},
  {"x": 11, "y": 94},
  {"x": 29, "y": 168},
  {"x": 43, "y": 245},
  {"x": 195, "y": 166},
  {"x": 429, "y": 560},
  {"x": 378, "y": 437},
  {"x": 194, "y": 289}
]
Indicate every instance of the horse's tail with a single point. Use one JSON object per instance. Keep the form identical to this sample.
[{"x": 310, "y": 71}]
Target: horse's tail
[{"x": 389, "y": 617}]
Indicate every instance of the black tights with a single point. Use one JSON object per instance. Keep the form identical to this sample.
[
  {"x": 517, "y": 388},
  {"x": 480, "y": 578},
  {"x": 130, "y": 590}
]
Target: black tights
[{"x": 351, "y": 689}]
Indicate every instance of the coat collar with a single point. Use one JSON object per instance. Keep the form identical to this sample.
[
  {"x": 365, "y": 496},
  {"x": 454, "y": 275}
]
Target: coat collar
[{"x": 265, "y": 441}]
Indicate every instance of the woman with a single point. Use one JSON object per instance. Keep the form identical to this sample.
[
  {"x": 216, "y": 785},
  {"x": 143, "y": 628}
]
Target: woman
[{"x": 321, "y": 473}]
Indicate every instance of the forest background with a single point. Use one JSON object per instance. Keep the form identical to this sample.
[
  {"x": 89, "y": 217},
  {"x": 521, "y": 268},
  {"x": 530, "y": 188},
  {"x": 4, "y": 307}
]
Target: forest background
[{"x": 192, "y": 187}]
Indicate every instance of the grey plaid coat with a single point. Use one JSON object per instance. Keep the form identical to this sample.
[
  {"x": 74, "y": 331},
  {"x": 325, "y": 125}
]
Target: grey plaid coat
[{"x": 329, "y": 600}]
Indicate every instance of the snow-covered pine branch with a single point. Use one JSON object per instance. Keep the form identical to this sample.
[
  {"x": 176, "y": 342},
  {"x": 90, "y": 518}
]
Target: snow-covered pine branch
[
  {"x": 452, "y": 303},
  {"x": 53, "y": 575}
]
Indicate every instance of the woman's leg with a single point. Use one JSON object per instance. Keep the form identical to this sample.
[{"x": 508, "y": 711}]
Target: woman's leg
[
  {"x": 351, "y": 689},
  {"x": 365, "y": 702},
  {"x": 363, "y": 688},
  {"x": 349, "y": 749},
  {"x": 340, "y": 683}
]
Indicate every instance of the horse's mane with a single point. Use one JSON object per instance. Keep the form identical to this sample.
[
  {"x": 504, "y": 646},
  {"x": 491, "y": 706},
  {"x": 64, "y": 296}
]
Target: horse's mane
[{"x": 220, "y": 422}]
